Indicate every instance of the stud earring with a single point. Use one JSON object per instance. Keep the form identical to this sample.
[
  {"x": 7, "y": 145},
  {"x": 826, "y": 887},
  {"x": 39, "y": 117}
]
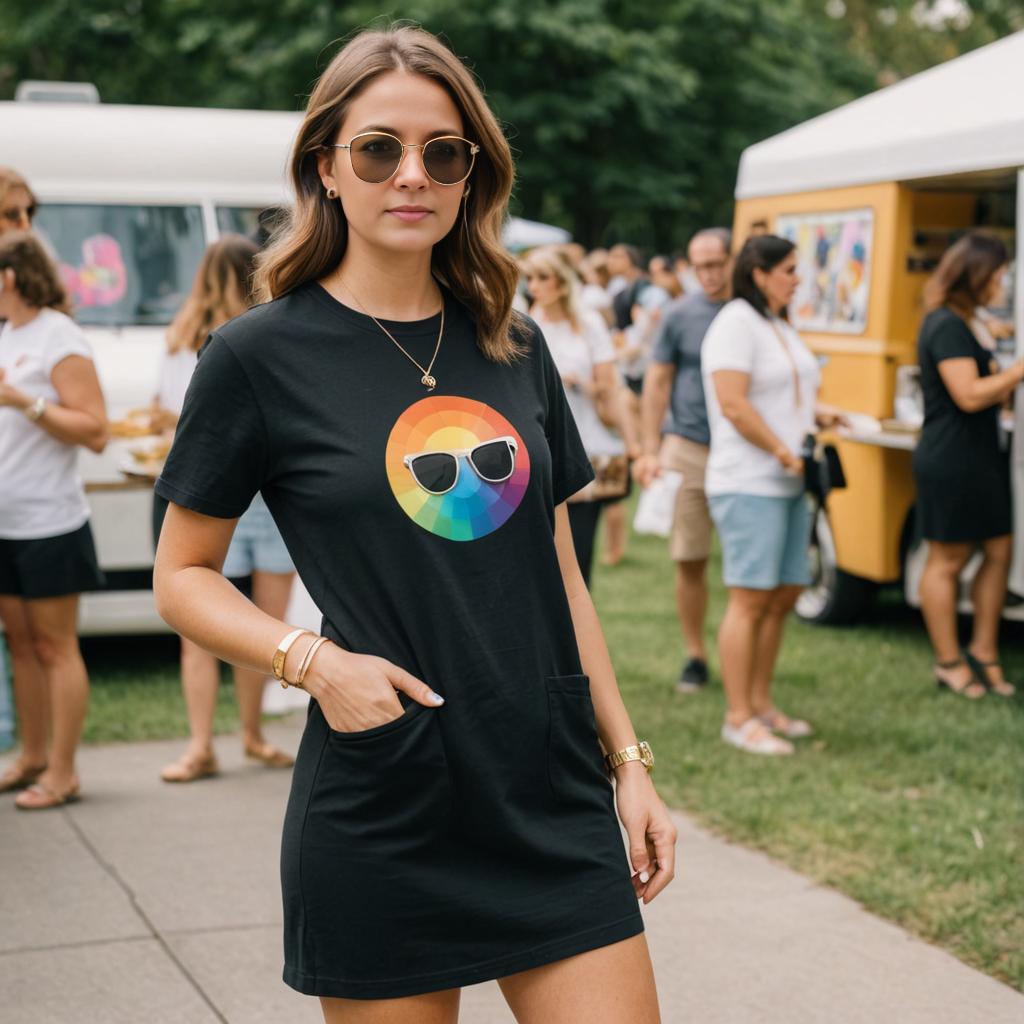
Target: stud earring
[{"x": 332, "y": 193}]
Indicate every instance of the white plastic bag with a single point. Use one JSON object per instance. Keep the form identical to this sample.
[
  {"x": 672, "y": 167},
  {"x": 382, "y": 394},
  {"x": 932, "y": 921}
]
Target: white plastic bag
[{"x": 656, "y": 505}]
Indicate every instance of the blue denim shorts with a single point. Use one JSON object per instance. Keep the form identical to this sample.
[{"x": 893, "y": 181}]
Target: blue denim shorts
[
  {"x": 257, "y": 545},
  {"x": 764, "y": 540}
]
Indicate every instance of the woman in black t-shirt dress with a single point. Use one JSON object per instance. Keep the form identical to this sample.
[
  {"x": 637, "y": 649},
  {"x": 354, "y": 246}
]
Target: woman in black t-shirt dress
[
  {"x": 451, "y": 819},
  {"x": 962, "y": 475}
]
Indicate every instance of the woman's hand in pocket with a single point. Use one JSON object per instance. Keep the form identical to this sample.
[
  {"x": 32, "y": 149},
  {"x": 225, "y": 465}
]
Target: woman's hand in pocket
[{"x": 357, "y": 692}]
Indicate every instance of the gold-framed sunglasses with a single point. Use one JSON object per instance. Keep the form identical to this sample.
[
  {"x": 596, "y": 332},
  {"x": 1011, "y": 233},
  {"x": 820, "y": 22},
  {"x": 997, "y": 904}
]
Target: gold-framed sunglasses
[
  {"x": 437, "y": 472},
  {"x": 376, "y": 157}
]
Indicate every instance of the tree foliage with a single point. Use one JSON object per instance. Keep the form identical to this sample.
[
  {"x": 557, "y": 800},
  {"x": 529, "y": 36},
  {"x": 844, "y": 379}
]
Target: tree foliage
[{"x": 627, "y": 119}]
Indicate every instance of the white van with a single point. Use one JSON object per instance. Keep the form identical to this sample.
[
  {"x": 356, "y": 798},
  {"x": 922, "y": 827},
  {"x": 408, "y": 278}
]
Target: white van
[{"x": 129, "y": 199}]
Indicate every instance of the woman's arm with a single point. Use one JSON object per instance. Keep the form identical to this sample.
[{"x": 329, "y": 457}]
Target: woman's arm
[
  {"x": 731, "y": 387},
  {"x": 356, "y": 692},
  {"x": 652, "y": 836},
  {"x": 971, "y": 392},
  {"x": 80, "y": 417}
]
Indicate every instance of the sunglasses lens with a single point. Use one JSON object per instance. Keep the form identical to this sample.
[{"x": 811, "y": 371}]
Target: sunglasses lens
[
  {"x": 493, "y": 461},
  {"x": 375, "y": 157},
  {"x": 435, "y": 472},
  {"x": 447, "y": 161}
]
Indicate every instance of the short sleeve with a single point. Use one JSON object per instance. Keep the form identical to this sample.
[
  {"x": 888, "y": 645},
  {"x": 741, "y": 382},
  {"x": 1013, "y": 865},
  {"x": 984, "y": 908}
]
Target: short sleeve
[
  {"x": 730, "y": 342},
  {"x": 570, "y": 467},
  {"x": 219, "y": 457},
  {"x": 952, "y": 339},
  {"x": 665, "y": 348},
  {"x": 599, "y": 338},
  {"x": 67, "y": 339}
]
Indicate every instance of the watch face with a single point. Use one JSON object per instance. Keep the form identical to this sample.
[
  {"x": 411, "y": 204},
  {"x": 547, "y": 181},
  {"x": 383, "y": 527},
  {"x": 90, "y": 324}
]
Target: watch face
[{"x": 646, "y": 755}]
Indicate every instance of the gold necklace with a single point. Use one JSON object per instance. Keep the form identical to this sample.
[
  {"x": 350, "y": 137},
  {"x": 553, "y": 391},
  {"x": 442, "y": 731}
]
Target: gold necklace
[{"x": 427, "y": 380}]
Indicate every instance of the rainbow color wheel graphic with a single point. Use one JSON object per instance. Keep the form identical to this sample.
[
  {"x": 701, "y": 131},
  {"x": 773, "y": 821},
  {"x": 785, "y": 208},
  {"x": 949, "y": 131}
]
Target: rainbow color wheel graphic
[{"x": 474, "y": 507}]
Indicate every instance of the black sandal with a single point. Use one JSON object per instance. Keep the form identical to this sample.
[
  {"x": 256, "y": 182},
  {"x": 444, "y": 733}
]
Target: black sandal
[
  {"x": 962, "y": 691},
  {"x": 980, "y": 669}
]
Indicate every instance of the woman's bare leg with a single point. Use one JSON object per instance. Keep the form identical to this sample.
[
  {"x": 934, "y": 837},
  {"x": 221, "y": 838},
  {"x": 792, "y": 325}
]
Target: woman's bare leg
[
  {"x": 988, "y": 596},
  {"x": 432, "y": 1008},
  {"x": 938, "y": 594},
  {"x": 615, "y": 533},
  {"x": 737, "y": 647},
  {"x": 200, "y": 677},
  {"x": 270, "y": 592},
  {"x": 769, "y": 640},
  {"x": 31, "y": 691},
  {"x": 606, "y": 985},
  {"x": 53, "y": 623}
]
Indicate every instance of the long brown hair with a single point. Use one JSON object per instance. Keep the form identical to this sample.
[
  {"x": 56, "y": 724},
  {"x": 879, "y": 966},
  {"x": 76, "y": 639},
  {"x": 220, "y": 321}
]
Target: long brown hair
[
  {"x": 35, "y": 274},
  {"x": 222, "y": 289},
  {"x": 470, "y": 260},
  {"x": 964, "y": 272}
]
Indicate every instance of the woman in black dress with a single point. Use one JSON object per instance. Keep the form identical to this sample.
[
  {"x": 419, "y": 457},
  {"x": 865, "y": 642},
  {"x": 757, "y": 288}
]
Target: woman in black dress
[
  {"x": 450, "y": 819},
  {"x": 962, "y": 475}
]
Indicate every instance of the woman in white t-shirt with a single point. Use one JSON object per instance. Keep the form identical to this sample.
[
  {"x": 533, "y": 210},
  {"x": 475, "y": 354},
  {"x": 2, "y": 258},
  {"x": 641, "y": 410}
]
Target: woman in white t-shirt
[
  {"x": 761, "y": 384},
  {"x": 50, "y": 404},
  {"x": 584, "y": 355},
  {"x": 221, "y": 291}
]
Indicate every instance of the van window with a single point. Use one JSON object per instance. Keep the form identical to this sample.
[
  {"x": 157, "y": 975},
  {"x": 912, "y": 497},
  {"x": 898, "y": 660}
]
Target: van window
[
  {"x": 124, "y": 265},
  {"x": 239, "y": 220},
  {"x": 255, "y": 222}
]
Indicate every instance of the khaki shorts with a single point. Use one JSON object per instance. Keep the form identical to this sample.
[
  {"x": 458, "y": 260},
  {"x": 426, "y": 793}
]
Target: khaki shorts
[{"x": 690, "y": 540}]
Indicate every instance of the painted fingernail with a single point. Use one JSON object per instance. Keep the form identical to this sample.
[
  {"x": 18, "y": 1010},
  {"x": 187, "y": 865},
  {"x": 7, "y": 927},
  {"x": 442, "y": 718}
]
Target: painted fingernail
[
  {"x": 644, "y": 877},
  {"x": 436, "y": 698}
]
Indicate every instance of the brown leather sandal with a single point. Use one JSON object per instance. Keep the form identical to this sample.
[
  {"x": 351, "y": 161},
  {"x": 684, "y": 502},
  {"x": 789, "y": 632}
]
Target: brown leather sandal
[
  {"x": 39, "y": 797},
  {"x": 20, "y": 776},
  {"x": 271, "y": 756},
  {"x": 189, "y": 768}
]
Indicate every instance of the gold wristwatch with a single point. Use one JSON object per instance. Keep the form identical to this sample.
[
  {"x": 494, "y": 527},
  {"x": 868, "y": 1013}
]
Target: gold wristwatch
[{"x": 640, "y": 752}]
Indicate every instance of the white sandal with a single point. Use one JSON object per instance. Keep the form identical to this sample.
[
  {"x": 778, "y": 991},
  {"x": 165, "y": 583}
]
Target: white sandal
[
  {"x": 754, "y": 737},
  {"x": 791, "y": 728}
]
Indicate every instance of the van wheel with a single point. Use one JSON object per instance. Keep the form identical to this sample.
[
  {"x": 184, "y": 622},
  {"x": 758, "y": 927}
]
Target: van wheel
[{"x": 834, "y": 596}]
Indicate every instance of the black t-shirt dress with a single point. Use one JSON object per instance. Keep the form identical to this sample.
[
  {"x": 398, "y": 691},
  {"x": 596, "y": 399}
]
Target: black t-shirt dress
[
  {"x": 962, "y": 475},
  {"x": 458, "y": 844}
]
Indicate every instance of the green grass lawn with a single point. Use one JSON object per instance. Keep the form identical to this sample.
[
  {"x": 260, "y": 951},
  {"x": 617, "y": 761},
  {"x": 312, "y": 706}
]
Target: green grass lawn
[{"x": 907, "y": 799}]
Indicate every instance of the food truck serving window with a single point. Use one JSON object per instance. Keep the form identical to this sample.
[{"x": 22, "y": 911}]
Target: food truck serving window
[{"x": 124, "y": 265}]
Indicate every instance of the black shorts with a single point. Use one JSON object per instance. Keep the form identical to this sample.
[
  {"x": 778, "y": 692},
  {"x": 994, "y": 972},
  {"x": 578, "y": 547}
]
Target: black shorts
[{"x": 50, "y": 566}]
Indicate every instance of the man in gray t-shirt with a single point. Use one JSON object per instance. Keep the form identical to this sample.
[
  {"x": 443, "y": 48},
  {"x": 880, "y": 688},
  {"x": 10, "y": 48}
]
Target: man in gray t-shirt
[{"x": 674, "y": 378}]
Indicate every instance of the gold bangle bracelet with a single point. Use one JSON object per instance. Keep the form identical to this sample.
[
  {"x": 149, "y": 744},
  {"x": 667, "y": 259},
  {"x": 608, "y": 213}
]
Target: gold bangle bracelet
[
  {"x": 277, "y": 663},
  {"x": 308, "y": 659}
]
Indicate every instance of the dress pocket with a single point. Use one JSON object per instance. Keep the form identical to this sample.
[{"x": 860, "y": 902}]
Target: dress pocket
[
  {"x": 383, "y": 790},
  {"x": 575, "y": 762}
]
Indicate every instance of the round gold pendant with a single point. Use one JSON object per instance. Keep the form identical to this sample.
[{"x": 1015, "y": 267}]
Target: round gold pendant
[{"x": 428, "y": 382}]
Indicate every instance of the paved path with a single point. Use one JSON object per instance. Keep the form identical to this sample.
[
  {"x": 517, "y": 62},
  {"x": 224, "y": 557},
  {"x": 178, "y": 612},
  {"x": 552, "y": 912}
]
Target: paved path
[{"x": 160, "y": 904}]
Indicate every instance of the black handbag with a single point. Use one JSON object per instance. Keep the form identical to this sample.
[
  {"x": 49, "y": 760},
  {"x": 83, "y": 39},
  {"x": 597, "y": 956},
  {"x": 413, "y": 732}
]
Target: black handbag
[{"x": 823, "y": 469}]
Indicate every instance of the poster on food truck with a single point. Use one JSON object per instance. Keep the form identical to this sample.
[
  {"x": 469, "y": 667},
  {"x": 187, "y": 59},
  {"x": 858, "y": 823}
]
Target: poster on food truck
[{"x": 834, "y": 254}]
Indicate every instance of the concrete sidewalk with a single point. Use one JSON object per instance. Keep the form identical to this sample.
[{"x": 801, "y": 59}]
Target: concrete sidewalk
[{"x": 156, "y": 903}]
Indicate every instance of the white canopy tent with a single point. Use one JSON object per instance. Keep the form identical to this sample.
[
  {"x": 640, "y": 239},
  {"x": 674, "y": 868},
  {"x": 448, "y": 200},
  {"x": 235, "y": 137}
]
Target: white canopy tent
[{"x": 966, "y": 115}]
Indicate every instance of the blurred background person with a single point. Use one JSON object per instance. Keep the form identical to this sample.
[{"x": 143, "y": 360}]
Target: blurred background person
[
  {"x": 593, "y": 271},
  {"x": 17, "y": 202},
  {"x": 674, "y": 379},
  {"x": 688, "y": 278},
  {"x": 635, "y": 300},
  {"x": 761, "y": 387},
  {"x": 50, "y": 403},
  {"x": 962, "y": 475},
  {"x": 17, "y": 208},
  {"x": 583, "y": 353},
  {"x": 221, "y": 291}
]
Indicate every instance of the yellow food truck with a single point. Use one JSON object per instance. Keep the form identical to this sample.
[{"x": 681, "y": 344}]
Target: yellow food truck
[{"x": 872, "y": 194}]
